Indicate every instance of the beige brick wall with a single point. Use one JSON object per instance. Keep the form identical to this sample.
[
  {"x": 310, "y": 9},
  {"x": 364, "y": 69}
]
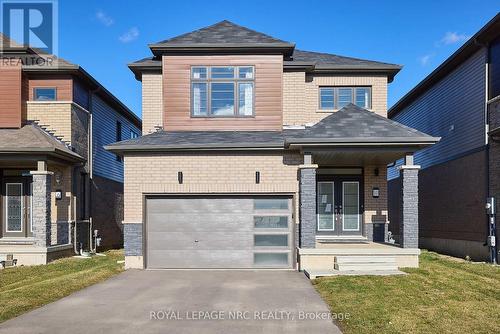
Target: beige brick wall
[
  {"x": 152, "y": 105},
  {"x": 301, "y": 94},
  {"x": 206, "y": 173},
  {"x": 61, "y": 210},
  {"x": 55, "y": 116},
  {"x": 375, "y": 208}
]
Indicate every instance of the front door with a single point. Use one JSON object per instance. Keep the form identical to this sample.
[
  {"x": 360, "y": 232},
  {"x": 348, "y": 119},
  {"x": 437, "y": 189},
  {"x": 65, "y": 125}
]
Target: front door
[
  {"x": 16, "y": 207},
  {"x": 339, "y": 206}
]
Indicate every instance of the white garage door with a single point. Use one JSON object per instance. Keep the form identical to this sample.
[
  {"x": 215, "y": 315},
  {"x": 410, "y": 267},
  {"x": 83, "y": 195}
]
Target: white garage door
[{"x": 219, "y": 232}]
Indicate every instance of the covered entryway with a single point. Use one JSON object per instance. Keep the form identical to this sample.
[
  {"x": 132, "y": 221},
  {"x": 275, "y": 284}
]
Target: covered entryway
[
  {"x": 339, "y": 202},
  {"x": 225, "y": 231}
]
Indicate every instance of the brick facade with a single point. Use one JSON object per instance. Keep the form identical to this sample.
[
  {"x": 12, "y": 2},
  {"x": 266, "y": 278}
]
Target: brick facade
[
  {"x": 408, "y": 237},
  {"x": 301, "y": 95},
  {"x": 41, "y": 208},
  {"x": 307, "y": 207},
  {"x": 375, "y": 209},
  {"x": 133, "y": 239},
  {"x": 152, "y": 102},
  {"x": 206, "y": 172}
]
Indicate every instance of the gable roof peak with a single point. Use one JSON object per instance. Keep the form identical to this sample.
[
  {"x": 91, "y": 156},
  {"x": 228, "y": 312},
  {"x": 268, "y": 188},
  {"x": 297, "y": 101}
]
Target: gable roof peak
[{"x": 223, "y": 35}]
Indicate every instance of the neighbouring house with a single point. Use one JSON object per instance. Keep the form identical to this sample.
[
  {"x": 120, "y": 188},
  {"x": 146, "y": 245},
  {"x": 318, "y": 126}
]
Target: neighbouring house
[
  {"x": 459, "y": 102},
  {"x": 57, "y": 182},
  {"x": 258, "y": 155}
]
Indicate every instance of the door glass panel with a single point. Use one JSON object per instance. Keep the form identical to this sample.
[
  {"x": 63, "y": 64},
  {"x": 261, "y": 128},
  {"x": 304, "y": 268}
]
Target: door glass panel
[
  {"x": 14, "y": 212},
  {"x": 351, "y": 206},
  {"x": 325, "y": 206},
  {"x": 270, "y": 259},
  {"x": 271, "y": 240},
  {"x": 270, "y": 221}
]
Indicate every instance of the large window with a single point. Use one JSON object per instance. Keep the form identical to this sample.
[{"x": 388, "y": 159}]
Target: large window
[
  {"x": 222, "y": 91},
  {"x": 332, "y": 98},
  {"x": 44, "y": 94}
]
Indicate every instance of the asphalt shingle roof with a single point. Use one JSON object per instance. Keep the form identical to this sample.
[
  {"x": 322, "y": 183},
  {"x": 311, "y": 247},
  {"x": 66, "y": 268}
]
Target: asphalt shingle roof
[
  {"x": 224, "y": 32},
  {"x": 32, "y": 138},
  {"x": 351, "y": 124},
  {"x": 204, "y": 139},
  {"x": 319, "y": 58}
]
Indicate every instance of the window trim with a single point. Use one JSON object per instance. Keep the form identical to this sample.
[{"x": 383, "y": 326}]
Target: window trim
[
  {"x": 42, "y": 87},
  {"x": 209, "y": 80},
  {"x": 336, "y": 97}
]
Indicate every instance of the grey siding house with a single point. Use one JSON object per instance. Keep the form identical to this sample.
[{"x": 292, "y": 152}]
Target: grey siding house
[{"x": 459, "y": 103}]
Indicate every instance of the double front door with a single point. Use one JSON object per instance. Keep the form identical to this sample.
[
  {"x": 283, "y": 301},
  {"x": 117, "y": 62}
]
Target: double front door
[{"x": 339, "y": 206}]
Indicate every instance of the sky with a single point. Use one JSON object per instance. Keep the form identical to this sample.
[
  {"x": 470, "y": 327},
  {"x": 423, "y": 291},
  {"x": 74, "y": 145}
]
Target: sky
[{"x": 103, "y": 36}]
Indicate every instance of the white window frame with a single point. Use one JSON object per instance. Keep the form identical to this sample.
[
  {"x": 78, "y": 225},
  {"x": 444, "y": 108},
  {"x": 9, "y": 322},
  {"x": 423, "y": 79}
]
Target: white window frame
[
  {"x": 333, "y": 208},
  {"x": 343, "y": 207},
  {"x": 7, "y": 208},
  {"x": 235, "y": 81}
]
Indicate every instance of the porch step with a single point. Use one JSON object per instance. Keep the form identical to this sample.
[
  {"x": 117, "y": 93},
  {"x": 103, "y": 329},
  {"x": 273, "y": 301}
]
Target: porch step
[{"x": 365, "y": 262}]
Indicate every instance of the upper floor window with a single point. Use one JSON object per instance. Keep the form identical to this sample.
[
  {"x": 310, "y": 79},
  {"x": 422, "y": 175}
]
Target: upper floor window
[
  {"x": 133, "y": 134},
  {"x": 222, "y": 91},
  {"x": 331, "y": 98},
  {"x": 44, "y": 94}
]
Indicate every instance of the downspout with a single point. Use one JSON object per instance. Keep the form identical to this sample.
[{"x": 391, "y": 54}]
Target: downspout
[
  {"x": 91, "y": 160},
  {"x": 486, "y": 129}
]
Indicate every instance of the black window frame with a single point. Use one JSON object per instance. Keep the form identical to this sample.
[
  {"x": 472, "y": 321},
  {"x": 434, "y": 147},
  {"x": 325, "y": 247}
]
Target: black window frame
[
  {"x": 336, "y": 96},
  {"x": 208, "y": 81}
]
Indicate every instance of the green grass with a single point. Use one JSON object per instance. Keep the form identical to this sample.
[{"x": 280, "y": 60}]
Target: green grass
[
  {"x": 25, "y": 288},
  {"x": 442, "y": 296}
]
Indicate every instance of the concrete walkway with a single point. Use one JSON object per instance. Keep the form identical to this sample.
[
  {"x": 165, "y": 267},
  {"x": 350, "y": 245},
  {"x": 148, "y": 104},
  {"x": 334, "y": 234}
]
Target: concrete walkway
[{"x": 185, "y": 302}]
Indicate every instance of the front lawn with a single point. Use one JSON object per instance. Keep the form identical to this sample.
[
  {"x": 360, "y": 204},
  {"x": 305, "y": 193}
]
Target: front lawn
[
  {"x": 442, "y": 296},
  {"x": 25, "y": 288}
]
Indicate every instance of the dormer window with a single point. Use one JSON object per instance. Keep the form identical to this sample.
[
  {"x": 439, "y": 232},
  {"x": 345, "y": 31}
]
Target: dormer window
[{"x": 222, "y": 91}]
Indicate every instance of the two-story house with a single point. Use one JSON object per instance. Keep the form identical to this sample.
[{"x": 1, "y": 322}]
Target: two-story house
[
  {"x": 58, "y": 184},
  {"x": 260, "y": 155},
  {"x": 459, "y": 102}
]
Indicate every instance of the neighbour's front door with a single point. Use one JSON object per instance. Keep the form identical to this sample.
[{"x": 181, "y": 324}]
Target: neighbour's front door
[
  {"x": 339, "y": 206},
  {"x": 16, "y": 207}
]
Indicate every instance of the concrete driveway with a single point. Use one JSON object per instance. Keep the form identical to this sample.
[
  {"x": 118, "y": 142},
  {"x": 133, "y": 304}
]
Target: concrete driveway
[{"x": 185, "y": 302}]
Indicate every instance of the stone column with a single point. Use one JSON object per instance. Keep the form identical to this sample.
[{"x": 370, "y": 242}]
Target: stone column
[
  {"x": 41, "y": 207},
  {"x": 408, "y": 229},
  {"x": 307, "y": 205}
]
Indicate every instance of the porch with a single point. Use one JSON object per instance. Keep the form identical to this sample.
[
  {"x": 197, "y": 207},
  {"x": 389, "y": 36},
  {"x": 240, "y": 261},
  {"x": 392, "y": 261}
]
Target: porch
[
  {"x": 343, "y": 205},
  {"x": 37, "y": 202},
  {"x": 356, "y": 258}
]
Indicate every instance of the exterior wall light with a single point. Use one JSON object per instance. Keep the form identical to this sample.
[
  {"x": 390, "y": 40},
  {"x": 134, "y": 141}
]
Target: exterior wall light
[
  {"x": 180, "y": 177},
  {"x": 376, "y": 192},
  {"x": 257, "y": 177}
]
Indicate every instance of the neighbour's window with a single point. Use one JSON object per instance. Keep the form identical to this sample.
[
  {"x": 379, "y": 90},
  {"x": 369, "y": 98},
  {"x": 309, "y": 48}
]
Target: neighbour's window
[
  {"x": 133, "y": 134},
  {"x": 44, "y": 94},
  {"x": 218, "y": 91},
  {"x": 331, "y": 98}
]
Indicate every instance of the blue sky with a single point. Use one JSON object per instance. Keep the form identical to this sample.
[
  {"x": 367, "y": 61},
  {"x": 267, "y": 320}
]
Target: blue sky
[{"x": 103, "y": 36}]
